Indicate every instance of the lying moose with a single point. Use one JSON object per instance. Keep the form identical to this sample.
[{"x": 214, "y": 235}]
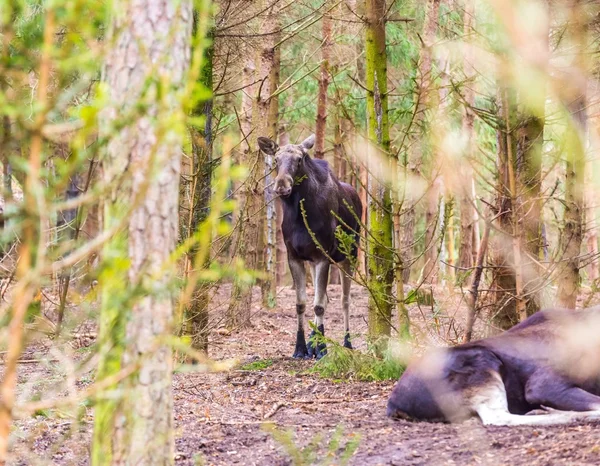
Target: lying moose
[
  {"x": 549, "y": 363},
  {"x": 311, "y": 195}
]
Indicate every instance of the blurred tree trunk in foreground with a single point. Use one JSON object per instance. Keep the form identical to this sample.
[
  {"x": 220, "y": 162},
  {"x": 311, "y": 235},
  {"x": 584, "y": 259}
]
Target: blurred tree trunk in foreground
[
  {"x": 138, "y": 428},
  {"x": 530, "y": 143}
]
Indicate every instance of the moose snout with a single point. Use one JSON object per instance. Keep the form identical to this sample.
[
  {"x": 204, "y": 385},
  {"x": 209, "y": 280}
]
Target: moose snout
[
  {"x": 283, "y": 186},
  {"x": 283, "y": 192}
]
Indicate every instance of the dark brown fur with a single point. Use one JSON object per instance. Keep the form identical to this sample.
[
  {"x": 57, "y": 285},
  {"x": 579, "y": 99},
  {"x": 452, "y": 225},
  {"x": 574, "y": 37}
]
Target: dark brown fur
[
  {"x": 552, "y": 359},
  {"x": 311, "y": 195}
]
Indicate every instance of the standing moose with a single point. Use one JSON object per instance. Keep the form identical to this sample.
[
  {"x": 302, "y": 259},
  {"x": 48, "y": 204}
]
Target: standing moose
[{"x": 311, "y": 195}]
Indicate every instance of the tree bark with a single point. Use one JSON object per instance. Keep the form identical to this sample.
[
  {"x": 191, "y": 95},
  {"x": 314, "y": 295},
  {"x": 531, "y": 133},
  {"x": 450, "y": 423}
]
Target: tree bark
[
  {"x": 196, "y": 312},
  {"x": 321, "y": 123},
  {"x": 572, "y": 236},
  {"x": 415, "y": 159},
  {"x": 381, "y": 257},
  {"x": 272, "y": 58},
  {"x": 529, "y": 167},
  {"x": 139, "y": 429},
  {"x": 504, "y": 314},
  {"x": 281, "y": 255},
  {"x": 249, "y": 202},
  {"x": 465, "y": 254}
]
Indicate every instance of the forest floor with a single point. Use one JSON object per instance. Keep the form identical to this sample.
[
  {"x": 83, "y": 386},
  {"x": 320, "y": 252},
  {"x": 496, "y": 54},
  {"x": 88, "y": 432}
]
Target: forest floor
[{"x": 279, "y": 410}]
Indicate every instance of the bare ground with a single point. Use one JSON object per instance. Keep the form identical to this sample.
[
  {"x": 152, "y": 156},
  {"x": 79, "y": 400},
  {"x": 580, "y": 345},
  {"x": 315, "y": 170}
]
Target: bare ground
[{"x": 220, "y": 418}]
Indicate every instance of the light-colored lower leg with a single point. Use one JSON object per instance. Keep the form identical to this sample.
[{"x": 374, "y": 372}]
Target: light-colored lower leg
[
  {"x": 321, "y": 281},
  {"x": 299, "y": 275},
  {"x": 346, "y": 272},
  {"x": 491, "y": 405},
  {"x": 313, "y": 274}
]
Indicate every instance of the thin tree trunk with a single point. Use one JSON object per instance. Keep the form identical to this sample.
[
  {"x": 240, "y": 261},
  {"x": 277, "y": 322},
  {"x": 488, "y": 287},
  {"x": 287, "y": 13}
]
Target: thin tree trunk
[
  {"x": 432, "y": 222},
  {"x": 529, "y": 167},
  {"x": 476, "y": 232},
  {"x": 415, "y": 160},
  {"x": 381, "y": 257},
  {"x": 338, "y": 158},
  {"x": 591, "y": 192},
  {"x": 6, "y": 168},
  {"x": 196, "y": 312},
  {"x": 281, "y": 255},
  {"x": 516, "y": 220},
  {"x": 502, "y": 249},
  {"x": 270, "y": 290},
  {"x": 467, "y": 221},
  {"x": 474, "y": 291},
  {"x": 67, "y": 227},
  {"x": 249, "y": 215},
  {"x": 321, "y": 124},
  {"x": 266, "y": 124},
  {"x": 572, "y": 236},
  {"x": 138, "y": 429}
]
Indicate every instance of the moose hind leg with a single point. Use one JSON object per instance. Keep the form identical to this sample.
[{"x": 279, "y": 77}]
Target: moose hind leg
[
  {"x": 546, "y": 387},
  {"x": 346, "y": 273},
  {"x": 299, "y": 275},
  {"x": 321, "y": 280},
  {"x": 490, "y": 403}
]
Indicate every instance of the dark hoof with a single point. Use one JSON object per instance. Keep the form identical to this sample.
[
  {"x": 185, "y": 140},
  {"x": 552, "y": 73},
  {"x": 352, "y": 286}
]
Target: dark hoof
[
  {"x": 316, "y": 350},
  {"x": 321, "y": 351},
  {"x": 300, "y": 355},
  {"x": 347, "y": 342},
  {"x": 301, "y": 351}
]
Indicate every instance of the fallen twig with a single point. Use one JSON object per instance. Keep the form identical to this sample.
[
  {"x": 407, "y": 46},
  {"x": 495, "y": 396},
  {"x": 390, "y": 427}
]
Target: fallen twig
[{"x": 276, "y": 407}]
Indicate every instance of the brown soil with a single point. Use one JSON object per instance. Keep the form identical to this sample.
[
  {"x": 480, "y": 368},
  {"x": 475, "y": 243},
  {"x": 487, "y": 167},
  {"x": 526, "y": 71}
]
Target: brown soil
[{"x": 220, "y": 418}]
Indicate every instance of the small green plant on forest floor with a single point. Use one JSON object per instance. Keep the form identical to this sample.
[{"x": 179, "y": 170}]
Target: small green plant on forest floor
[
  {"x": 259, "y": 365},
  {"x": 335, "y": 453},
  {"x": 344, "y": 363}
]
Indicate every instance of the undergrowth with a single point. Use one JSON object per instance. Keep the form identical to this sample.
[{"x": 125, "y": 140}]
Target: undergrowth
[
  {"x": 259, "y": 365},
  {"x": 344, "y": 363}
]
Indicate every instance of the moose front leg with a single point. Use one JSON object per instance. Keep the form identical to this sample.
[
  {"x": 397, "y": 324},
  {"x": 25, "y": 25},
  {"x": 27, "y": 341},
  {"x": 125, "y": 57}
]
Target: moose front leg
[
  {"x": 320, "y": 303},
  {"x": 299, "y": 275},
  {"x": 346, "y": 273}
]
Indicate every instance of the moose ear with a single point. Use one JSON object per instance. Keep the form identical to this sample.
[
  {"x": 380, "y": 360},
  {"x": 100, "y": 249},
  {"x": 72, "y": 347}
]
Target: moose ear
[
  {"x": 267, "y": 145},
  {"x": 308, "y": 142}
]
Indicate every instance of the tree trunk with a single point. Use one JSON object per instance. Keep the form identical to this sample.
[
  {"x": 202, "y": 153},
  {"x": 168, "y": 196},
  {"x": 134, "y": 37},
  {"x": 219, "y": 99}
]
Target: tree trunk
[
  {"x": 266, "y": 75},
  {"x": 138, "y": 429},
  {"x": 504, "y": 314},
  {"x": 415, "y": 159},
  {"x": 249, "y": 202},
  {"x": 572, "y": 236},
  {"x": 466, "y": 250},
  {"x": 381, "y": 257},
  {"x": 321, "y": 123},
  {"x": 529, "y": 166},
  {"x": 281, "y": 255},
  {"x": 196, "y": 312},
  {"x": 273, "y": 57}
]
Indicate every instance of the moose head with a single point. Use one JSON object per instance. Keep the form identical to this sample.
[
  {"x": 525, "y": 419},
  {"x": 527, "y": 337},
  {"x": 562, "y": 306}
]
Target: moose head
[{"x": 289, "y": 161}]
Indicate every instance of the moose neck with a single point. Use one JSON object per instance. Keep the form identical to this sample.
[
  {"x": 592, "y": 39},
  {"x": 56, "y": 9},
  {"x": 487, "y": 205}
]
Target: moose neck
[{"x": 311, "y": 176}]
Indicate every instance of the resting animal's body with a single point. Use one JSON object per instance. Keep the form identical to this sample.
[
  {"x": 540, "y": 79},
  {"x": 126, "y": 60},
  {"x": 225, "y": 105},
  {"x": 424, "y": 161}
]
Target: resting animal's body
[
  {"x": 551, "y": 360},
  {"x": 311, "y": 195}
]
